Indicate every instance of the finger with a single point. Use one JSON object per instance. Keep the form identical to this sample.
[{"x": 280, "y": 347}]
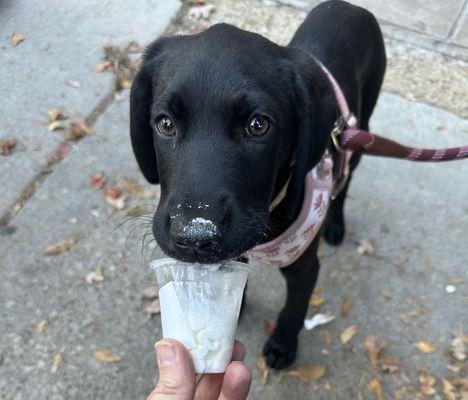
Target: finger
[
  {"x": 236, "y": 383},
  {"x": 176, "y": 372},
  {"x": 209, "y": 385},
  {"x": 238, "y": 353}
]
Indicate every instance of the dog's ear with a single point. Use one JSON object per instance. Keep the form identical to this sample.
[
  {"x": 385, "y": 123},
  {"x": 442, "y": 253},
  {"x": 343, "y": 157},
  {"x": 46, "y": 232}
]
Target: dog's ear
[
  {"x": 316, "y": 112},
  {"x": 141, "y": 98}
]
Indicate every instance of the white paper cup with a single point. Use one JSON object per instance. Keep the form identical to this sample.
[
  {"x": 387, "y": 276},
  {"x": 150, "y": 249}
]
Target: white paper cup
[{"x": 200, "y": 307}]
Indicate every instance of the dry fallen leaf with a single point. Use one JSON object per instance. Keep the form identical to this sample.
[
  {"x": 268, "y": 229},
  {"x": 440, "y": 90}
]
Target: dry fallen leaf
[
  {"x": 6, "y": 146},
  {"x": 425, "y": 347},
  {"x": 106, "y": 356},
  {"x": 307, "y": 373},
  {"x": 133, "y": 47},
  {"x": 316, "y": 300},
  {"x": 365, "y": 248},
  {"x": 426, "y": 385},
  {"x": 98, "y": 180},
  {"x": 103, "y": 66},
  {"x": 374, "y": 386},
  {"x": 370, "y": 346},
  {"x": 94, "y": 276},
  {"x": 457, "y": 349},
  {"x": 16, "y": 38},
  {"x": 269, "y": 325},
  {"x": 115, "y": 197},
  {"x": 131, "y": 186},
  {"x": 56, "y": 114},
  {"x": 150, "y": 292},
  {"x": 56, "y": 125},
  {"x": 78, "y": 129},
  {"x": 40, "y": 327},
  {"x": 60, "y": 247},
  {"x": 262, "y": 369},
  {"x": 385, "y": 294},
  {"x": 153, "y": 308},
  {"x": 345, "y": 307},
  {"x": 57, "y": 361},
  {"x": 441, "y": 128},
  {"x": 449, "y": 390},
  {"x": 348, "y": 333}
]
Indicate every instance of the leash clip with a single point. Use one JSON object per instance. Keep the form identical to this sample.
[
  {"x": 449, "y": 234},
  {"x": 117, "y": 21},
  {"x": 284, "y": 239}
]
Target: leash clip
[{"x": 340, "y": 126}]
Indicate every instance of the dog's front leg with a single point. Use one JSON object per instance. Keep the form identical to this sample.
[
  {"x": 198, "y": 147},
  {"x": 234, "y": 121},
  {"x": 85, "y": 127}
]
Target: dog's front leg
[{"x": 280, "y": 349}]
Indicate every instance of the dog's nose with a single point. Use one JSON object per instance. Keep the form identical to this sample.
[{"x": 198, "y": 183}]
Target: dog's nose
[{"x": 197, "y": 234}]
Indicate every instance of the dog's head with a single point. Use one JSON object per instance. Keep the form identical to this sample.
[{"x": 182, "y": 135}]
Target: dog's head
[{"x": 221, "y": 120}]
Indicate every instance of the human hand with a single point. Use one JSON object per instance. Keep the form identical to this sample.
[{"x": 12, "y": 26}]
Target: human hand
[{"x": 177, "y": 376}]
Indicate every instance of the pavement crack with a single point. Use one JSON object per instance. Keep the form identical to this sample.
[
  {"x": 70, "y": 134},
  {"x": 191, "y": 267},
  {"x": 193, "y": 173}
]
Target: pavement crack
[{"x": 53, "y": 161}]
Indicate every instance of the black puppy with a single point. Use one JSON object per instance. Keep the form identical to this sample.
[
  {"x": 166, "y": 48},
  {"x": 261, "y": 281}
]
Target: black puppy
[{"x": 222, "y": 119}]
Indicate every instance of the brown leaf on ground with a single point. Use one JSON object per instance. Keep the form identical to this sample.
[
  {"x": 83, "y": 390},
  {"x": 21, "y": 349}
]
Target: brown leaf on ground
[
  {"x": 56, "y": 114},
  {"x": 78, "y": 129},
  {"x": 58, "y": 359},
  {"x": 262, "y": 370},
  {"x": 131, "y": 186},
  {"x": 374, "y": 386},
  {"x": 365, "y": 248},
  {"x": 60, "y": 247},
  {"x": 153, "y": 308},
  {"x": 425, "y": 347},
  {"x": 370, "y": 346},
  {"x": 56, "y": 125},
  {"x": 133, "y": 47},
  {"x": 457, "y": 349},
  {"x": 327, "y": 336},
  {"x": 150, "y": 292},
  {"x": 348, "y": 333},
  {"x": 106, "y": 65},
  {"x": 16, "y": 38},
  {"x": 6, "y": 146},
  {"x": 106, "y": 356},
  {"x": 94, "y": 276},
  {"x": 197, "y": 2},
  {"x": 385, "y": 294},
  {"x": 307, "y": 373},
  {"x": 426, "y": 385},
  {"x": 316, "y": 300},
  {"x": 98, "y": 180},
  {"x": 441, "y": 128},
  {"x": 269, "y": 325},
  {"x": 115, "y": 197},
  {"x": 345, "y": 307},
  {"x": 399, "y": 262},
  {"x": 449, "y": 390},
  {"x": 40, "y": 327}
]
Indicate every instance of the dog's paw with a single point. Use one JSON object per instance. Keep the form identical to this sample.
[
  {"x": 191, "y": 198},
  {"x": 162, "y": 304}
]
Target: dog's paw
[
  {"x": 278, "y": 356},
  {"x": 333, "y": 232}
]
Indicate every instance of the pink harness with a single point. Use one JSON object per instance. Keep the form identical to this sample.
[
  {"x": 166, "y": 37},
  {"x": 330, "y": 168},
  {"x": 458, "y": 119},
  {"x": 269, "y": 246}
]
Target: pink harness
[
  {"x": 320, "y": 188},
  {"x": 291, "y": 244}
]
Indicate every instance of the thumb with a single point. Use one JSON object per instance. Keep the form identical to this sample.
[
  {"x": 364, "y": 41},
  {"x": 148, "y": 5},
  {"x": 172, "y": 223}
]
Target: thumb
[{"x": 176, "y": 372}]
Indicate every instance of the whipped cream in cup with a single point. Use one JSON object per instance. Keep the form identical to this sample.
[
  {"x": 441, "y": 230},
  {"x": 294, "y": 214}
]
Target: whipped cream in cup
[{"x": 200, "y": 306}]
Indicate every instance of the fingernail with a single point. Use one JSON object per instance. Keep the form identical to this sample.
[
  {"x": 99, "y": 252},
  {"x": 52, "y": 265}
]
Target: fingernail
[{"x": 165, "y": 353}]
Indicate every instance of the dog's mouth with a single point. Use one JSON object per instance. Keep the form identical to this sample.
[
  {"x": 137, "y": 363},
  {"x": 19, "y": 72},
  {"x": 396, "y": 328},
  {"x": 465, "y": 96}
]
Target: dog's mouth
[{"x": 203, "y": 242}]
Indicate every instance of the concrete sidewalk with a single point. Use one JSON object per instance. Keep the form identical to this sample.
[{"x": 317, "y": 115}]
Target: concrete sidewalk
[{"x": 53, "y": 321}]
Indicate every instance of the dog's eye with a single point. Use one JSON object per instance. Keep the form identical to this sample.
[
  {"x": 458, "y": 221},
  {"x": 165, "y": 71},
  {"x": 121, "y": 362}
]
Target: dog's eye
[
  {"x": 165, "y": 126},
  {"x": 258, "y": 125}
]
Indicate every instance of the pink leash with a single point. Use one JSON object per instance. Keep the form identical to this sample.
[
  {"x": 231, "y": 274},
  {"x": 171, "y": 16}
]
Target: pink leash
[{"x": 348, "y": 137}]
